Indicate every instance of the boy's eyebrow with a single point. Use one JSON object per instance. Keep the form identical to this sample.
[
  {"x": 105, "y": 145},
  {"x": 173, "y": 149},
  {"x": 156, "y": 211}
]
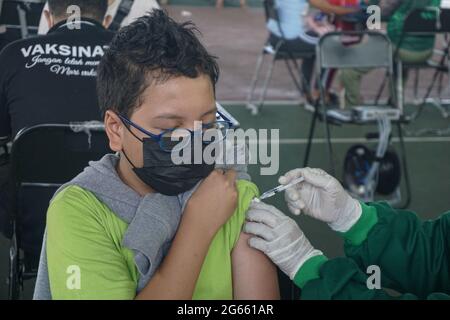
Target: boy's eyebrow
[
  {"x": 176, "y": 117},
  {"x": 212, "y": 110},
  {"x": 168, "y": 116}
]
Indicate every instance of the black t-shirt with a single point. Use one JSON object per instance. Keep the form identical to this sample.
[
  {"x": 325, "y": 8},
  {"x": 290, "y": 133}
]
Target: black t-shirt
[{"x": 51, "y": 78}]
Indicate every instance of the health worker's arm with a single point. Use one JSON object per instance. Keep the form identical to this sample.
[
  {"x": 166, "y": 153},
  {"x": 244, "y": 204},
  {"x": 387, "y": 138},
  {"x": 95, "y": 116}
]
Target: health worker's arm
[{"x": 413, "y": 258}]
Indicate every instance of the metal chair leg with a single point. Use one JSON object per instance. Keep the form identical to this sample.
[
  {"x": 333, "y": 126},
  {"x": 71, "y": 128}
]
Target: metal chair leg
[
  {"x": 400, "y": 88},
  {"x": 14, "y": 270},
  {"x": 297, "y": 84},
  {"x": 416, "y": 86},
  {"x": 252, "y": 107},
  {"x": 265, "y": 86},
  {"x": 437, "y": 104},
  {"x": 405, "y": 167},
  {"x": 381, "y": 89},
  {"x": 311, "y": 133},
  {"x": 327, "y": 127}
]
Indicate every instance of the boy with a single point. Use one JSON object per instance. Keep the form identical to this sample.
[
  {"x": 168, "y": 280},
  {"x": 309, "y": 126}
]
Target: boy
[{"x": 133, "y": 225}]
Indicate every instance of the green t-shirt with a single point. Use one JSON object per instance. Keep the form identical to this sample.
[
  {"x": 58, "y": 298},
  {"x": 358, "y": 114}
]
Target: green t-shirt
[
  {"x": 84, "y": 235},
  {"x": 396, "y": 22}
]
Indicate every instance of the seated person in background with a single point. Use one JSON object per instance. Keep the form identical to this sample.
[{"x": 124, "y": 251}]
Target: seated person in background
[
  {"x": 138, "y": 9},
  {"x": 412, "y": 50},
  {"x": 51, "y": 79},
  {"x": 293, "y": 21},
  {"x": 137, "y": 225}
]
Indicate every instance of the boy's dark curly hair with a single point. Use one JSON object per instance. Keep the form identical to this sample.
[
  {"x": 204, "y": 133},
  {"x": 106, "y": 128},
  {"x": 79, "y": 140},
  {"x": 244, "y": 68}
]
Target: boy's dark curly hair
[{"x": 151, "y": 50}]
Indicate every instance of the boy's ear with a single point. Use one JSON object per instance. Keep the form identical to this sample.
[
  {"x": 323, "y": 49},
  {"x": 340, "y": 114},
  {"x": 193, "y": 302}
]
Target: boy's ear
[{"x": 114, "y": 130}]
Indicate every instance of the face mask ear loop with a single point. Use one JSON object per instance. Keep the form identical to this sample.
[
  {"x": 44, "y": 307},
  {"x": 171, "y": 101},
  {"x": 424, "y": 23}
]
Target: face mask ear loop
[
  {"x": 128, "y": 159},
  {"x": 129, "y": 130},
  {"x": 123, "y": 151}
]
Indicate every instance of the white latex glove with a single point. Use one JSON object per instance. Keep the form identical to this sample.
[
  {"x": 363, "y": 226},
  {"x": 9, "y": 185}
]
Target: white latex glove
[
  {"x": 322, "y": 197},
  {"x": 279, "y": 237}
]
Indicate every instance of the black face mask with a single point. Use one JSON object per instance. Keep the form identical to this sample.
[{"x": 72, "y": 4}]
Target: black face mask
[{"x": 162, "y": 175}]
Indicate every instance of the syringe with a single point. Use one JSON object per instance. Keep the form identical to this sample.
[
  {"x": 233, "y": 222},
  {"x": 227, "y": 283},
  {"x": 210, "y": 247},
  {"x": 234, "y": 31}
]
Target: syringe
[{"x": 282, "y": 187}]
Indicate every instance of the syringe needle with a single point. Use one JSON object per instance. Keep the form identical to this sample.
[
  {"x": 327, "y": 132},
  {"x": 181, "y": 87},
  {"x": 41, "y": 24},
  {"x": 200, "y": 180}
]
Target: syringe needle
[{"x": 280, "y": 188}]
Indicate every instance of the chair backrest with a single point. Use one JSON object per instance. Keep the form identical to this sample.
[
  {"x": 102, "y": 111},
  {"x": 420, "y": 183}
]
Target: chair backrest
[
  {"x": 44, "y": 157},
  {"x": 270, "y": 10},
  {"x": 373, "y": 51},
  {"x": 426, "y": 21},
  {"x": 21, "y": 18}
]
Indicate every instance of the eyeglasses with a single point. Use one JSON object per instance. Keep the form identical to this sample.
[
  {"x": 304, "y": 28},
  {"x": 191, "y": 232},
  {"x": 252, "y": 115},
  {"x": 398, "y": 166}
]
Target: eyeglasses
[{"x": 178, "y": 138}]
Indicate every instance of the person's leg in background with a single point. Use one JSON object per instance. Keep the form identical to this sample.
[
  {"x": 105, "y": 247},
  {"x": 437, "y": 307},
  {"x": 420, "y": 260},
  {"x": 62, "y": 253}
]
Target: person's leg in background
[
  {"x": 299, "y": 47},
  {"x": 306, "y": 74},
  {"x": 306, "y": 48},
  {"x": 351, "y": 78},
  {"x": 351, "y": 82},
  {"x": 412, "y": 57}
]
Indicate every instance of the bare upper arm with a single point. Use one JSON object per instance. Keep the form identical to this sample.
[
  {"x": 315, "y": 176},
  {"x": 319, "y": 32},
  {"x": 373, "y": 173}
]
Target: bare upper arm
[{"x": 254, "y": 275}]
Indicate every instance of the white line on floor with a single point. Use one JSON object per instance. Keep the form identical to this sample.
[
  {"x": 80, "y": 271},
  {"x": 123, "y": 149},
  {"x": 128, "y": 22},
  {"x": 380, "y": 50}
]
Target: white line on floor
[{"x": 360, "y": 140}]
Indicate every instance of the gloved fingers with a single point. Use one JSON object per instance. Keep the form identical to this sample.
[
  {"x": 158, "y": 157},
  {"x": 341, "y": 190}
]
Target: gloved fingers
[
  {"x": 291, "y": 194},
  {"x": 294, "y": 202},
  {"x": 285, "y": 241},
  {"x": 258, "y": 244},
  {"x": 308, "y": 194},
  {"x": 290, "y": 175},
  {"x": 294, "y": 211},
  {"x": 259, "y": 205},
  {"x": 285, "y": 251},
  {"x": 299, "y": 204},
  {"x": 263, "y": 216},
  {"x": 260, "y": 229},
  {"x": 316, "y": 177}
]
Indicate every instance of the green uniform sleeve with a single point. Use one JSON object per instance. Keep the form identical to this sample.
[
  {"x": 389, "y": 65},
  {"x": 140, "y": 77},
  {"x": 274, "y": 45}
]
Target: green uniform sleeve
[
  {"x": 84, "y": 262},
  {"x": 413, "y": 257}
]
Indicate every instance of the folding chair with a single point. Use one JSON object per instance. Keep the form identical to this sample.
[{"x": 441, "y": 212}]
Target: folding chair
[
  {"x": 428, "y": 21},
  {"x": 43, "y": 158},
  {"x": 277, "y": 53},
  {"x": 373, "y": 51},
  {"x": 19, "y": 19}
]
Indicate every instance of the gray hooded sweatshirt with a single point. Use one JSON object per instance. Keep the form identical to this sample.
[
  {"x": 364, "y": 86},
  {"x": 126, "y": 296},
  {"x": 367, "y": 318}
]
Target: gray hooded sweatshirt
[{"x": 152, "y": 219}]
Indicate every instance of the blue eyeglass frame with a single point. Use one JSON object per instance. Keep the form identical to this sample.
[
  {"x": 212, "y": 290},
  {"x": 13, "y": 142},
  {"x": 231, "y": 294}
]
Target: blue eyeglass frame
[{"x": 158, "y": 137}]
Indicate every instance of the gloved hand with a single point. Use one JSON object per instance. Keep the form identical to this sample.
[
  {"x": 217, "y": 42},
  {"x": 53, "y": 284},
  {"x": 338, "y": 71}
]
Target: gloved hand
[
  {"x": 322, "y": 197},
  {"x": 279, "y": 237}
]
